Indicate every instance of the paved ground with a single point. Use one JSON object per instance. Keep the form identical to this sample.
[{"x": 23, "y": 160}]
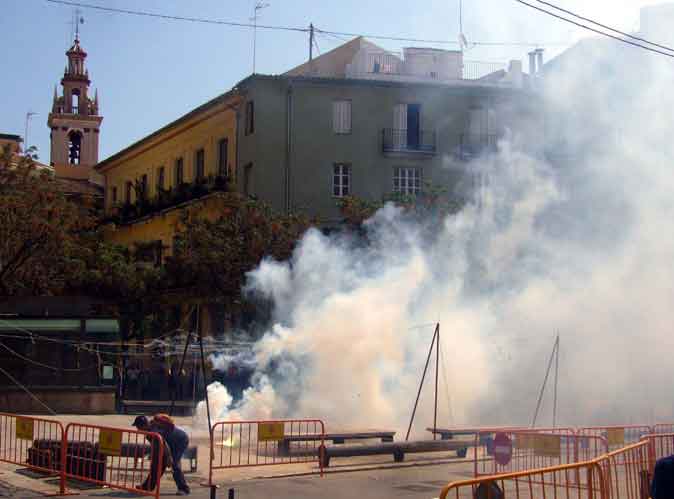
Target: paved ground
[
  {"x": 420, "y": 476},
  {"x": 410, "y": 481}
]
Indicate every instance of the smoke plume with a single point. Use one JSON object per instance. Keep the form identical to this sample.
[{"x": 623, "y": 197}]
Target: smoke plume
[{"x": 571, "y": 234}]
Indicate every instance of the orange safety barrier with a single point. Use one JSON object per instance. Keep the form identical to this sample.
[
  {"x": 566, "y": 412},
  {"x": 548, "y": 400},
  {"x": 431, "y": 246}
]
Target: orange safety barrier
[
  {"x": 34, "y": 443},
  {"x": 517, "y": 450},
  {"x": 577, "y": 480},
  {"x": 621, "y": 474},
  {"x": 617, "y": 436},
  {"x": 118, "y": 458},
  {"x": 626, "y": 472},
  {"x": 659, "y": 445},
  {"x": 236, "y": 444},
  {"x": 663, "y": 428}
]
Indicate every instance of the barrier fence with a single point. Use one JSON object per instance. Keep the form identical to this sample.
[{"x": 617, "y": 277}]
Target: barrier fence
[
  {"x": 518, "y": 450},
  {"x": 621, "y": 474},
  {"x": 34, "y": 443},
  {"x": 236, "y": 444},
  {"x": 617, "y": 436},
  {"x": 122, "y": 459},
  {"x": 659, "y": 445},
  {"x": 663, "y": 428}
]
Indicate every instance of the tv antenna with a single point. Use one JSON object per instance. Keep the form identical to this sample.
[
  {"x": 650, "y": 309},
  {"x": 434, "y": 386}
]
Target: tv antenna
[{"x": 259, "y": 5}]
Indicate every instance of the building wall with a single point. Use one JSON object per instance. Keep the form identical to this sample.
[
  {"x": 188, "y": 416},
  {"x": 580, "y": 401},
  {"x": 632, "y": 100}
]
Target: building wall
[
  {"x": 314, "y": 147},
  {"x": 164, "y": 226},
  {"x": 203, "y": 131}
]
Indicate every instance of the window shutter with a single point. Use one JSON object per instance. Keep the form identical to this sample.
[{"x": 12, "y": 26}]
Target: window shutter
[{"x": 347, "y": 117}]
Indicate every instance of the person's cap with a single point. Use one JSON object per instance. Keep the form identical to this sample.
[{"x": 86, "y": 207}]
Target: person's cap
[{"x": 140, "y": 422}]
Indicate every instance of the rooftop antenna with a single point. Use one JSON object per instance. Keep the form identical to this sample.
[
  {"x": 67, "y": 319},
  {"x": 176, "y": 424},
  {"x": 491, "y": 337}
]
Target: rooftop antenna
[
  {"x": 29, "y": 115},
  {"x": 259, "y": 5}
]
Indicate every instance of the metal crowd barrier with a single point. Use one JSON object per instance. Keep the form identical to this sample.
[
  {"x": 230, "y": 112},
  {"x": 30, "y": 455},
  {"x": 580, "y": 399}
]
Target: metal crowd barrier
[
  {"x": 621, "y": 474},
  {"x": 118, "y": 458},
  {"x": 34, "y": 443},
  {"x": 236, "y": 444},
  {"x": 617, "y": 436},
  {"x": 528, "y": 449}
]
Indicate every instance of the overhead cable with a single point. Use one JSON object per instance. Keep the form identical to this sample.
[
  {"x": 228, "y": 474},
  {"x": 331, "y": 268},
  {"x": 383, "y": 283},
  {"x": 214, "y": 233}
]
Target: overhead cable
[
  {"x": 286, "y": 28},
  {"x": 633, "y": 37},
  {"x": 589, "y": 28}
]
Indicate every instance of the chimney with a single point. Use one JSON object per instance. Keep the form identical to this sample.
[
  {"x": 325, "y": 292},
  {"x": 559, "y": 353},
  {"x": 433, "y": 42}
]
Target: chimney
[
  {"x": 539, "y": 60},
  {"x": 515, "y": 73},
  {"x": 532, "y": 63}
]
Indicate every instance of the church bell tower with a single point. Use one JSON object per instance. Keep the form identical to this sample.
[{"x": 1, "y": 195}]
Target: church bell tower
[{"x": 75, "y": 121}]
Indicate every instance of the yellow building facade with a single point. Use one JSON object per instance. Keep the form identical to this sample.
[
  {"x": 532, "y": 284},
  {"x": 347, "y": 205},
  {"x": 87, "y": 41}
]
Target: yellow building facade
[{"x": 187, "y": 163}]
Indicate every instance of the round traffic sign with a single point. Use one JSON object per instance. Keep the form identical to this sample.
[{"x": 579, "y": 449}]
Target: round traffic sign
[{"x": 503, "y": 448}]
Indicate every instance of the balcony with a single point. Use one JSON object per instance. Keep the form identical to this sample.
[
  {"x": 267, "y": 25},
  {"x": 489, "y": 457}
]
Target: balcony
[
  {"x": 408, "y": 141},
  {"x": 472, "y": 145}
]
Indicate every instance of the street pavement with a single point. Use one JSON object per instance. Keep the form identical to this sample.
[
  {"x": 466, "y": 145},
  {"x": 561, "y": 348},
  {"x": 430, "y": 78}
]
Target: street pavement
[{"x": 406, "y": 481}]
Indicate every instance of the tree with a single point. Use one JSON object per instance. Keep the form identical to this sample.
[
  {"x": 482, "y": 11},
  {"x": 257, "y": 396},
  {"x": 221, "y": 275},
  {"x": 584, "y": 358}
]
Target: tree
[
  {"x": 432, "y": 204},
  {"x": 39, "y": 227},
  {"x": 213, "y": 256}
]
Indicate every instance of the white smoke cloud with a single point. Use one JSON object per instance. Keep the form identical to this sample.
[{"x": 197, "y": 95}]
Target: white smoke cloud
[{"x": 582, "y": 247}]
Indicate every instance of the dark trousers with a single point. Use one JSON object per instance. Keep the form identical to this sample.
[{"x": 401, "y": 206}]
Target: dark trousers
[{"x": 177, "y": 448}]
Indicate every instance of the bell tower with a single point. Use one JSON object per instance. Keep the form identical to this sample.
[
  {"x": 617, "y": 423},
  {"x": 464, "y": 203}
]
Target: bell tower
[{"x": 74, "y": 121}]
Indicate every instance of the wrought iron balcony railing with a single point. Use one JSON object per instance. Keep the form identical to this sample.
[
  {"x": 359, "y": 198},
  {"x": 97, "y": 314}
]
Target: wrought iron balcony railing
[{"x": 408, "y": 140}]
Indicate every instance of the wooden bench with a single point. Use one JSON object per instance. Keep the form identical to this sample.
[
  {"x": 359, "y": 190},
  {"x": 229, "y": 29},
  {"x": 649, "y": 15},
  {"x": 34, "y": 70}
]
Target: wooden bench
[
  {"x": 335, "y": 438},
  {"x": 396, "y": 449}
]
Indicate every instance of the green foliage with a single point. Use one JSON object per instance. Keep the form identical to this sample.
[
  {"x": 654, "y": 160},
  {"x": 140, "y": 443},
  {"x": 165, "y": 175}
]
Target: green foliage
[
  {"x": 432, "y": 203},
  {"x": 214, "y": 256}
]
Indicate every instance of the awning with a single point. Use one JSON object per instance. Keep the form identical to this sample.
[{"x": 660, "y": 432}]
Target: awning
[{"x": 92, "y": 326}]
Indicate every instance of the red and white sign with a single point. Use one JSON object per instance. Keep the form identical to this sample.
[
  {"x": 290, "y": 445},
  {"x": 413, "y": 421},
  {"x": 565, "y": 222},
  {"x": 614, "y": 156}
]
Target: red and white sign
[{"x": 503, "y": 448}]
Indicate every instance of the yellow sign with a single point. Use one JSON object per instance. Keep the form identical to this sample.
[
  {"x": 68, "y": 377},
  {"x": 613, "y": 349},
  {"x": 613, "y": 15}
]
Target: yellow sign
[
  {"x": 110, "y": 442},
  {"x": 615, "y": 436},
  {"x": 24, "y": 428},
  {"x": 524, "y": 441},
  {"x": 270, "y": 432},
  {"x": 548, "y": 445}
]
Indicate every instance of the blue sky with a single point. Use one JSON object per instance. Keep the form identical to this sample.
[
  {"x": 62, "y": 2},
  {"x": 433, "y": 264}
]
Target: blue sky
[{"x": 149, "y": 71}]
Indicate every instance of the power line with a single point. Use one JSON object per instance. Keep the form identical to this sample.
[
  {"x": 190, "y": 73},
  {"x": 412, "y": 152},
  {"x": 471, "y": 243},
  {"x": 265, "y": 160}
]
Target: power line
[
  {"x": 289, "y": 28},
  {"x": 176, "y": 18},
  {"x": 604, "y": 26},
  {"x": 589, "y": 28},
  {"x": 46, "y": 366}
]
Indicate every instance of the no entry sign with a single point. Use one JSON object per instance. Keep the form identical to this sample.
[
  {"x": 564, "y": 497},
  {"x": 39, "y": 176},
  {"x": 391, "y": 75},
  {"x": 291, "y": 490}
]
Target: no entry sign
[{"x": 503, "y": 448}]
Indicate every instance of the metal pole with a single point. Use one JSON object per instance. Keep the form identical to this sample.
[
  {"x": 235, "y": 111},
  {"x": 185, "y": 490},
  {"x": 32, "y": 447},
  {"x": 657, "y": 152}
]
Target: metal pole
[
  {"x": 182, "y": 363},
  {"x": 311, "y": 41},
  {"x": 545, "y": 381},
  {"x": 203, "y": 372},
  {"x": 437, "y": 370},
  {"x": 254, "y": 35},
  {"x": 554, "y": 405},
  {"x": 414, "y": 410}
]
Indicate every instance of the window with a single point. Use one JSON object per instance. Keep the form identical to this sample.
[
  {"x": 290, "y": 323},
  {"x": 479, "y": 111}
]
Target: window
[
  {"x": 341, "y": 116},
  {"x": 407, "y": 180},
  {"x": 75, "y": 147},
  {"x": 250, "y": 117},
  {"x": 113, "y": 195},
  {"x": 161, "y": 178},
  {"x": 222, "y": 157},
  {"x": 127, "y": 192},
  {"x": 75, "y": 101},
  {"x": 341, "y": 180},
  {"x": 178, "y": 173},
  {"x": 247, "y": 178},
  {"x": 143, "y": 187},
  {"x": 199, "y": 165}
]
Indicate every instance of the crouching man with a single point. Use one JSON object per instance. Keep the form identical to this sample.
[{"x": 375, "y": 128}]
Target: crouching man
[{"x": 176, "y": 442}]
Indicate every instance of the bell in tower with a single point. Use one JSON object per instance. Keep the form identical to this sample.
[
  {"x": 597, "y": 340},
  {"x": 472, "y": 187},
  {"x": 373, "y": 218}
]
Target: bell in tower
[{"x": 75, "y": 121}]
